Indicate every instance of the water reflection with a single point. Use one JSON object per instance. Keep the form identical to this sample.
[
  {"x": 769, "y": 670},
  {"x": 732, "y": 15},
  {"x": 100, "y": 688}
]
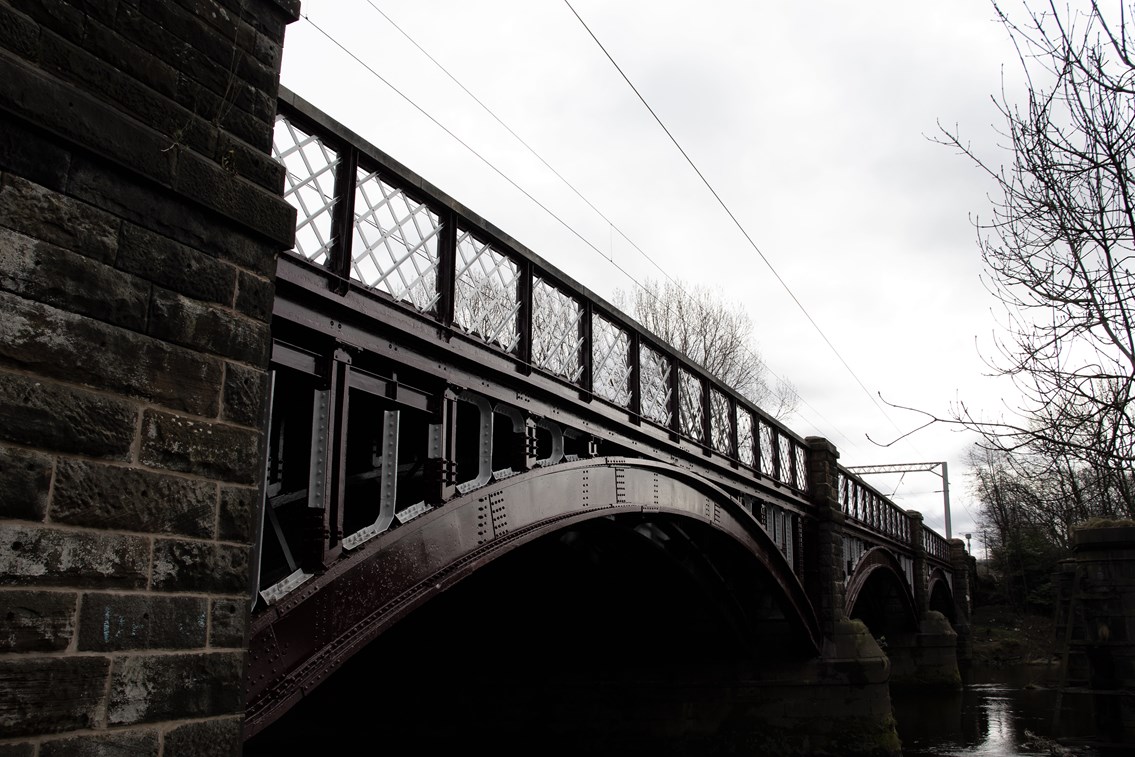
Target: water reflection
[{"x": 1001, "y": 713}]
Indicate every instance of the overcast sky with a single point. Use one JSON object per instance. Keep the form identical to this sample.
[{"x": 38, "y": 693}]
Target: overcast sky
[{"x": 814, "y": 122}]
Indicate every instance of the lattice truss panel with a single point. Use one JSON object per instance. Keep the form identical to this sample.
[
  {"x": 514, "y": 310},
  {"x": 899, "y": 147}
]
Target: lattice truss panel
[
  {"x": 610, "y": 361},
  {"x": 784, "y": 445},
  {"x": 721, "y": 422},
  {"x": 690, "y": 410},
  {"x": 847, "y": 497},
  {"x": 395, "y": 243},
  {"x": 556, "y": 335},
  {"x": 768, "y": 450},
  {"x": 654, "y": 379},
  {"x": 745, "y": 438},
  {"x": 801, "y": 467},
  {"x": 309, "y": 185},
  {"x": 485, "y": 292}
]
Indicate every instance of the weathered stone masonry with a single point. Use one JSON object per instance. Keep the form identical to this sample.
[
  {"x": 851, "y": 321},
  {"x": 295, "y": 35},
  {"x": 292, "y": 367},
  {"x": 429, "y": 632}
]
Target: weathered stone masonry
[{"x": 140, "y": 219}]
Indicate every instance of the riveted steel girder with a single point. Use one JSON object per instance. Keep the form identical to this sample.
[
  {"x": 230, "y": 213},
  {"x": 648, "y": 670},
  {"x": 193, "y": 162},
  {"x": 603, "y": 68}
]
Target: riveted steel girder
[{"x": 307, "y": 635}]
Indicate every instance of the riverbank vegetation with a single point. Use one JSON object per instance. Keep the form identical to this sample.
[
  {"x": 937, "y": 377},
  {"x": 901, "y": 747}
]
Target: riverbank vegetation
[{"x": 1004, "y": 636}]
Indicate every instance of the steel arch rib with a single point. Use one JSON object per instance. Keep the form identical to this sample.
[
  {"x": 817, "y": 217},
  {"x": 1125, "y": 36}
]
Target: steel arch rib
[
  {"x": 311, "y": 632},
  {"x": 874, "y": 559}
]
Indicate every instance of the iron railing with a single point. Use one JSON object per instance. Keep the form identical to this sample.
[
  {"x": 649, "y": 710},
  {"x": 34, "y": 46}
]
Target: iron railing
[
  {"x": 373, "y": 225},
  {"x": 935, "y": 544},
  {"x": 867, "y": 507}
]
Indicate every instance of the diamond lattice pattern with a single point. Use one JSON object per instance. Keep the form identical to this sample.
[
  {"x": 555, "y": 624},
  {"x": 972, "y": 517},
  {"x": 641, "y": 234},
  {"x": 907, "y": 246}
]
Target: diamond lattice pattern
[
  {"x": 690, "y": 410},
  {"x": 721, "y": 422},
  {"x": 654, "y": 377},
  {"x": 785, "y": 445},
  {"x": 395, "y": 242},
  {"x": 801, "y": 468},
  {"x": 556, "y": 337},
  {"x": 745, "y": 437},
  {"x": 611, "y": 361},
  {"x": 768, "y": 450},
  {"x": 485, "y": 292},
  {"x": 309, "y": 185}
]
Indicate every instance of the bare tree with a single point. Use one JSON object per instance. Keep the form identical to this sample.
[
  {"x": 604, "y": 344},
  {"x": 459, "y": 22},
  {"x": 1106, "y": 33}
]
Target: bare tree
[
  {"x": 714, "y": 334},
  {"x": 1058, "y": 248}
]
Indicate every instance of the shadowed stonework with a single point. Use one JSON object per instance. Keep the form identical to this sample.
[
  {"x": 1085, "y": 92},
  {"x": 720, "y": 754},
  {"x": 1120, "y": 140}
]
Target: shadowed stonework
[{"x": 140, "y": 220}]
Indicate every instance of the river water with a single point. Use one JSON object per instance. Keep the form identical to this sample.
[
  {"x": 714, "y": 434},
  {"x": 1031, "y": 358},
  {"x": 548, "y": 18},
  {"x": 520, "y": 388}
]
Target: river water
[{"x": 1005, "y": 712}]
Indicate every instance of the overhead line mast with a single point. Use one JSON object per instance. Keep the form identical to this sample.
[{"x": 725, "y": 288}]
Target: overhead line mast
[{"x": 863, "y": 470}]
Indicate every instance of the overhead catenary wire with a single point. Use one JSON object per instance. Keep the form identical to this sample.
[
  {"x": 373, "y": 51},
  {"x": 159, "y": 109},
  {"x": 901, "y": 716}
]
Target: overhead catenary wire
[
  {"x": 523, "y": 142},
  {"x": 358, "y": 60},
  {"x": 611, "y": 224},
  {"x": 735, "y": 221}
]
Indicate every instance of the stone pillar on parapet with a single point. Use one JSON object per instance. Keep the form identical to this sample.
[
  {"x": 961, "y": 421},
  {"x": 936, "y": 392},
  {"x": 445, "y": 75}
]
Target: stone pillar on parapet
[
  {"x": 960, "y": 562},
  {"x": 824, "y": 573},
  {"x": 921, "y": 578}
]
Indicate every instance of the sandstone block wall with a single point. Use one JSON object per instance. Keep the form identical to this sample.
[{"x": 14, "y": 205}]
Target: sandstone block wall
[{"x": 140, "y": 219}]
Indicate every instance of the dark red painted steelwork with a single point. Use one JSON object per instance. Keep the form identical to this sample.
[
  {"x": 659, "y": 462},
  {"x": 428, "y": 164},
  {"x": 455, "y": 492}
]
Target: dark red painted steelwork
[
  {"x": 309, "y": 634},
  {"x": 342, "y": 338}
]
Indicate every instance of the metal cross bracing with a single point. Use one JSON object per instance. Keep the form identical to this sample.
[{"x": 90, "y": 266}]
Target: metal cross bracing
[
  {"x": 375, "y": 241},
  {"x": 382, "y": 230},
  {"x": 422, "y": 360}
]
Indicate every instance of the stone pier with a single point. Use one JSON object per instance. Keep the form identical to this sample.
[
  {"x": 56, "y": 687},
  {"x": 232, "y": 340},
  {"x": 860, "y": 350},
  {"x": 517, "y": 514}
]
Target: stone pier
[
  {"x": 1099, "y": 654},
  {"x": 140, "y": 220}
]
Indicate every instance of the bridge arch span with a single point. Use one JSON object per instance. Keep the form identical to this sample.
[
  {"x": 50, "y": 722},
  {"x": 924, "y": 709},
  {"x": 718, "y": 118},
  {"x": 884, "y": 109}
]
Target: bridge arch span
[
  {"x": 315, "y": 629},
  {"x": 878, "y": 594},
  {"x": 940, "y": 592}
]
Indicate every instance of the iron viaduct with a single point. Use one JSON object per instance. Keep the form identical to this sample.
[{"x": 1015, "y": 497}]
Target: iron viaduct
[{"x": 278, "y": 418}]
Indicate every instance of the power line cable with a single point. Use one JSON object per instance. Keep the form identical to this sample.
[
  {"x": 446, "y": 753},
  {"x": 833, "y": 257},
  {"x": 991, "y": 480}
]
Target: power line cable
[
  {"x": 733, "y": 218},
  {"x": 521, "y": 140},
  {"x": 463, "y": 143},
  {"x": 591, "y": 205},
  {"x": 539, "y": 204}
]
